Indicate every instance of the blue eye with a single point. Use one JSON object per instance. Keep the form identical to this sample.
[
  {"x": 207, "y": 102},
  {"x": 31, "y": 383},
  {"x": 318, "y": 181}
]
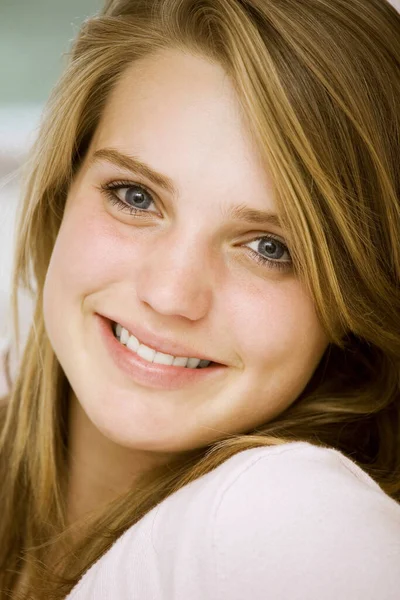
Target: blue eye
[
  {"x": 131, "y": 197},
  {"x": 268, "y": 250},
  {"x": 136, "y": 199}
]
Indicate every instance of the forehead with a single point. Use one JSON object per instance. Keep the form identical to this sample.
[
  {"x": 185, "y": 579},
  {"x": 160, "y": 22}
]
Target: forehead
[{"x": 180, "y": 114}]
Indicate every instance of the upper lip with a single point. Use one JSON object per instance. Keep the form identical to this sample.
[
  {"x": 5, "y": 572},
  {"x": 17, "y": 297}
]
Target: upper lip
[{"x": 159, "y": 345}]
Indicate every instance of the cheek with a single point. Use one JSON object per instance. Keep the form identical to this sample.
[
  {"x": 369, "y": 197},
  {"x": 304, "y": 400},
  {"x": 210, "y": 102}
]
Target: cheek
[
  {"x": 281, "y": 329},
  {"x": 87, "y": 258},
  {"x": 89, "y": 254}
]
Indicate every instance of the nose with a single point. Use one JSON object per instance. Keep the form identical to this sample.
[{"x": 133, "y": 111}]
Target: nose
[{"x": 175, "y": 277}]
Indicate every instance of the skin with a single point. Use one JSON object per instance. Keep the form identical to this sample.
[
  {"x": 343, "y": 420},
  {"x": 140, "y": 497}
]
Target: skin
[{"x": 185, "y": 271}]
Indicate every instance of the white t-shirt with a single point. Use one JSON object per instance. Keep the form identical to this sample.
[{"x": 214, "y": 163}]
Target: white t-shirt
[{"x": 290, "y": 522}]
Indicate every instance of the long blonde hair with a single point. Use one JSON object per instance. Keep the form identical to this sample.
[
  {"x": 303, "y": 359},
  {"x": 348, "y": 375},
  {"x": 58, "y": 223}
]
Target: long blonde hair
[{"x": 319, "y": 82}]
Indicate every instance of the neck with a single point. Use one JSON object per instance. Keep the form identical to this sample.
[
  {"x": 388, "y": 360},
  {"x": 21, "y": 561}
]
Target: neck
[{"x": 99, "y": 470}]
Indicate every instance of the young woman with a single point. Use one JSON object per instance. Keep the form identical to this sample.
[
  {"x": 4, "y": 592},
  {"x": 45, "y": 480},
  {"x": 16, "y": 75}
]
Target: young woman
[{"x": 208, "y": 402}]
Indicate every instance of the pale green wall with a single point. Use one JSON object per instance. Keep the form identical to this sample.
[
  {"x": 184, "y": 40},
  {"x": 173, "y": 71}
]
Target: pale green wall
[{"x": 33, "y": 36}]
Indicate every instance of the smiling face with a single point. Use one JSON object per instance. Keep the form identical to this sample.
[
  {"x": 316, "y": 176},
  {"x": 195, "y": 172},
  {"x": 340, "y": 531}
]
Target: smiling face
[{"x": 198, "y": 271}]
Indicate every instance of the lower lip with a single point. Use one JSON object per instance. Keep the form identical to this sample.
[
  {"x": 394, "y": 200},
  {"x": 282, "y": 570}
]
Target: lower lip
[{"x": 152, "y": 374}]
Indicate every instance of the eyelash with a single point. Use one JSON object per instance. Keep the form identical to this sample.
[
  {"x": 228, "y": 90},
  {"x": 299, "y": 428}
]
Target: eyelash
[{"x": 108, "y": 190}]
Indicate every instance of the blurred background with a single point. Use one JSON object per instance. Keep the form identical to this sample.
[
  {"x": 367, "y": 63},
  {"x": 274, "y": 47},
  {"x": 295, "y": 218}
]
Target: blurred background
[{"x": 35, "y": 36}]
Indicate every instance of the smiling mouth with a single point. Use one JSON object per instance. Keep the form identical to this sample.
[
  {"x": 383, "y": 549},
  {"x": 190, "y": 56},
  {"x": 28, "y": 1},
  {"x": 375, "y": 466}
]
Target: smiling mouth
[{"x": 151, "y": 355}]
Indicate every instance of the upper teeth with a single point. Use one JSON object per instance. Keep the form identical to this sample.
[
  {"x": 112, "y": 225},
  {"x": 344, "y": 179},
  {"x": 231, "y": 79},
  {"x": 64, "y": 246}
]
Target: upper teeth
[{"x": 131, "y": 342}]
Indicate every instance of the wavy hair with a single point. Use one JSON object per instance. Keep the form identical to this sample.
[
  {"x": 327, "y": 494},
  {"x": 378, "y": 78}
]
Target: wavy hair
[{"x": 319, "y": 82}]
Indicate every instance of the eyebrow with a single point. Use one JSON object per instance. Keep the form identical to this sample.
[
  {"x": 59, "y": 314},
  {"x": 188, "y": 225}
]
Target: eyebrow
[{"x": 135, "y": 165}]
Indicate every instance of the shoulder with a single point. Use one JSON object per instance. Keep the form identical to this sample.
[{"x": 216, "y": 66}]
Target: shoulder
[
  {"x": 290, "y": 521},
  {"x": 303, "y": 480},
  {"x": 297, "y": 515},
  {"x": 299, "y": 478},
  {"x": 282, "y": 475},
  {"x": 297, "y": 470},
  {"x": 294, "y": 518}
]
